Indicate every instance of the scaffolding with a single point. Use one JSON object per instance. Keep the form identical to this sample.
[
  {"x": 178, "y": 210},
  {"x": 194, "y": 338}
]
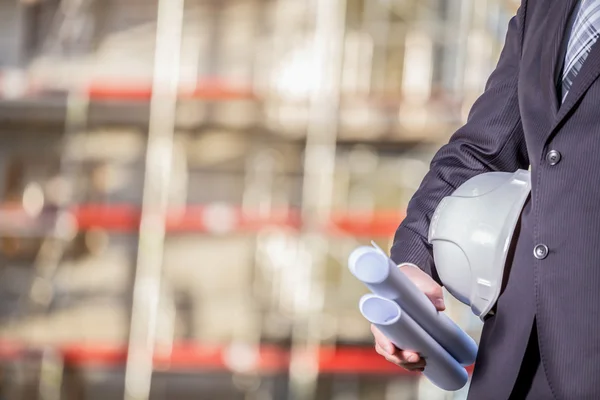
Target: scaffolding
[{"x": 325, "y": 114}]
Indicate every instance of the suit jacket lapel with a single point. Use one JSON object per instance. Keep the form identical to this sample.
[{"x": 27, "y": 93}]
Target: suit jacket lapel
[{"x": 587, "y": 75}]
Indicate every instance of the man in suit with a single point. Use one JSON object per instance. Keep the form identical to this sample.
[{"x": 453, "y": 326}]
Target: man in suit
[{"x": 540, "y": 108}]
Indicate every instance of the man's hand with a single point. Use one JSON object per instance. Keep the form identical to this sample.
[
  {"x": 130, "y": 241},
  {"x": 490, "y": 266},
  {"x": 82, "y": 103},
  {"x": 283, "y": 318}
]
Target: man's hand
[{"x": 407, "y": 359}]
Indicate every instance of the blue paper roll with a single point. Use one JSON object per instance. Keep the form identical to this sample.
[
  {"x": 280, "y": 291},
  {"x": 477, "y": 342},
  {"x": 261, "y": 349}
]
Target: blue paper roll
[
  {"x": 441, "y": 368},
  {"x": 383, "y": 278}
]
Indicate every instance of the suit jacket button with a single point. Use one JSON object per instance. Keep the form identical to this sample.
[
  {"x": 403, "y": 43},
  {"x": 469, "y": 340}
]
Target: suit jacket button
[
  {"x": 540, "y": 251},
  {"x": 553, "y": 157}
]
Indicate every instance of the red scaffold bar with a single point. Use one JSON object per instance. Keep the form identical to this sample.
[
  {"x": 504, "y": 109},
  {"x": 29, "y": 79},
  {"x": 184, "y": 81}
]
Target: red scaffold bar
[{"x": 267, "y": 359}]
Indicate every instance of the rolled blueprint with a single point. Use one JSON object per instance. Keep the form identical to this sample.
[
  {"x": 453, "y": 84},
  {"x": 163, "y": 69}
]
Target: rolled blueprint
[
  {"x": 383, "y": 277},
  {"x": 441, "y": 368}
]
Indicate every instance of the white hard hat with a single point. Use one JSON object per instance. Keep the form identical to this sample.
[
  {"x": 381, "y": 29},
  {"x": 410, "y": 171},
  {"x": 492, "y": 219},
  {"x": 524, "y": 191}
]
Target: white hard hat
[{"x": 471, "y": 232}]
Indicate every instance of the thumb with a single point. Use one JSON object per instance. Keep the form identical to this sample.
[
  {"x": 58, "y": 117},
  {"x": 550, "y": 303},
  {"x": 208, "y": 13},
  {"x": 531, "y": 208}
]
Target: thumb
[{"x": 426, "y": 284}]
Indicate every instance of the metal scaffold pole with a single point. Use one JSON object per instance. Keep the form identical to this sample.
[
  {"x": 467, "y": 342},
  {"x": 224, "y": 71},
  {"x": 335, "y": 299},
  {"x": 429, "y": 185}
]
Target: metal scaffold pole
[
  {"x": 159, "y": 157},
  {"x": 63, "y": 230},
  {"x": 317, "y": 196}
]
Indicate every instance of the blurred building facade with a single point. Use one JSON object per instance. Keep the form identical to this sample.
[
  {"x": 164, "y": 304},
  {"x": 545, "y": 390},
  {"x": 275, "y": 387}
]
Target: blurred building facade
[{"x": 182, "y": 182}]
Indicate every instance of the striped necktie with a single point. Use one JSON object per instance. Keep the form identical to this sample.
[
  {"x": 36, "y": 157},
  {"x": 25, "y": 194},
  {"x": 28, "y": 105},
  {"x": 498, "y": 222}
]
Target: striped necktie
[{"x": 584, "y": 33}]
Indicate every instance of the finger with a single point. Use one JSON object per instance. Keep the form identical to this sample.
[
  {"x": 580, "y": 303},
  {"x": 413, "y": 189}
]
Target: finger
[
  {"x": 418, "y": 366},
  {"x": 409, "y": 356},
  {"x": 387, "y": 348},
  {"x": 380, "y": 351},
  {"x": 394, "y": 359},
  {"x": 410, "y": 366},
  {"x": 426, "y": 284},
  {"x": 386, "y": 344},
  {"x": 391, "y": 358}
]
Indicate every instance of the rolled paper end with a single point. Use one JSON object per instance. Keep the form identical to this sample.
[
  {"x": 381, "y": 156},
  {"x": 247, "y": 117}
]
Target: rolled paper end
[
  {"x": 470, "y": 355},
  {"x": 368, "y": 265},
  {"x": 378, "y": 310},
  {"x": 451, "y": 381}
]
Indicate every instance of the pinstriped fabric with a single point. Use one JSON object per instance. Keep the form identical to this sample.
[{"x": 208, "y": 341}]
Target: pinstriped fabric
[
  {"x": 510, "y": 127},
  {"x": 468, "y": 154},
  {"x": 584, "y": 34},
  {"x": 568, "y": 280},
  {"x": 492, "y": 140}
]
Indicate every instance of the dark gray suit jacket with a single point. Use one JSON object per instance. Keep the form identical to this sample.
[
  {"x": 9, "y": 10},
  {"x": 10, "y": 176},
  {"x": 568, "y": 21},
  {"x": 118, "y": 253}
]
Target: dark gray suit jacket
[{"x": 516, "y": 123}]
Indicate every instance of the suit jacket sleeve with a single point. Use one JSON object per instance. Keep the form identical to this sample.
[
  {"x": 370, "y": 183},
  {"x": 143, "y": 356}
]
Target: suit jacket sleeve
[{"x": 491, "y": 140}]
